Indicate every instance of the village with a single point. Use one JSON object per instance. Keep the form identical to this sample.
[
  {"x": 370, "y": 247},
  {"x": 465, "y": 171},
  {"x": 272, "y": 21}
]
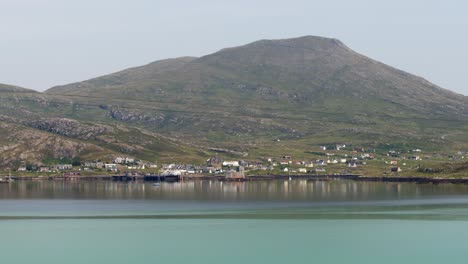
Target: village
[{"x": 331, "y": 159}]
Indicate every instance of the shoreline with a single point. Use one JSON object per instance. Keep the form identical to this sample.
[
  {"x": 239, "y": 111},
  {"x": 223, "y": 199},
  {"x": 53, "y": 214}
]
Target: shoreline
[{"x": 317, "y": 177}]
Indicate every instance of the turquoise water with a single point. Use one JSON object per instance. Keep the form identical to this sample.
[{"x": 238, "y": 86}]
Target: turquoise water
[{"x": 202, "y": 222}]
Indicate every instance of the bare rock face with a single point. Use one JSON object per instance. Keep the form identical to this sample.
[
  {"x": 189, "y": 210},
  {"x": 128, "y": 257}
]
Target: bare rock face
[
  {"x": 136, "y": 116},
  {"x": 70, "y": 128},
  {"x": 23, "y": 145}
]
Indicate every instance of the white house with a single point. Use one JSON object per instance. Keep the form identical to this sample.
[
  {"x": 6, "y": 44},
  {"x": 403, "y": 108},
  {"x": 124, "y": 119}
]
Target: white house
[
  {"x": 231, "y": 163},
  {"x": 110, "y": 166}
]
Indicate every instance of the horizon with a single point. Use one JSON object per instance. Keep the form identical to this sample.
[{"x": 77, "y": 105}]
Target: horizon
[{"x": 48, "y": 41}]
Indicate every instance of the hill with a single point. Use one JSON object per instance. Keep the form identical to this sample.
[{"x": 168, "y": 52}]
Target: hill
[
  {"x": 15, "y": 89},
  {"x": 266, "y": 98}
]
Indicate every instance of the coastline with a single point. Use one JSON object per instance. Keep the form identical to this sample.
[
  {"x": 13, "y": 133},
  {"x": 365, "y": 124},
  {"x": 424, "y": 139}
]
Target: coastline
[{"x": 317, "y": 177}]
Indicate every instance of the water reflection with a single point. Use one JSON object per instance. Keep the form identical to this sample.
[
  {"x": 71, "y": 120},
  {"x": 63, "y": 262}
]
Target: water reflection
[{"x": 215, "y": 190}]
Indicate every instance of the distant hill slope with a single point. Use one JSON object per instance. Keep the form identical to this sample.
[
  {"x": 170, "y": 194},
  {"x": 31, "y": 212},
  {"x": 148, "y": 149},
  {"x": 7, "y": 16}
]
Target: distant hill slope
[
  {"x": 16, "y": 89},
  {"x": 121, "y": 80}
]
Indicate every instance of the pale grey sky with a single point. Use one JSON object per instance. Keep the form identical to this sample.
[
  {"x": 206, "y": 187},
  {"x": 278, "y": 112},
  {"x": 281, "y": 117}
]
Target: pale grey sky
[{"x": 50, "y": 42}]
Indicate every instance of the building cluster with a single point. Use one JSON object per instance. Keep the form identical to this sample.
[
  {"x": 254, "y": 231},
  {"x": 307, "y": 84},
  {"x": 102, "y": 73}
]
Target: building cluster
[
  {"x": 117, "y": 164},
  {"x": 333, "y": 158}
]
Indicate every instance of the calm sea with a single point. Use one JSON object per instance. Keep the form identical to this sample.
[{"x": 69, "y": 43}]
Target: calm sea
[{"x": 212, "y": 222}]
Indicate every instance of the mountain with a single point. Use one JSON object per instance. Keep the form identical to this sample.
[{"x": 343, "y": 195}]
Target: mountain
[
  {"x": 303, "y": 72},
  {"x": 266, "y": 98}
]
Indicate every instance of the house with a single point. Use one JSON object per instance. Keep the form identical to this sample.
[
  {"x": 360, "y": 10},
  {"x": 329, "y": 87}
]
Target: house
[
  {"x": 414, "y": 158},
  {"x": 340, "y": 146},
  {"x": 286, "y": 170},
  {"x": 321, "y": 163},
  {"x": 110, "y": 166},
  {"x": 44, "y": 169},
  {"x": 393, "y": 162},
  {"x": 119, "y": 160},
  {"x": 352, "y": 164},
  {"x": 302, "y": 170},
  {"x": 172, "y": 173},
  {"x": 239, "y": 173},
  {"x": 323, "y": 147},
  {"x": 343, "y": 160},
  {"x": 89, "y": 164},
  {"x": 359, "y": 149},
  {"x": 22, "y": 169},
  {"x": 309, "y": 165},
  {"x": 62, "y": 167},
  {"x": 231, "y": 164},
  {"x": 122, "y": 160},
  {"x": 216, "y": 162},
  {"x": 395, "y": 169},
  {"x": 320, "y": 170}
]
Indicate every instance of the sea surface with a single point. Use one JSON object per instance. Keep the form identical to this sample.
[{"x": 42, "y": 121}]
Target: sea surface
[{"x": 192, "y": 222}]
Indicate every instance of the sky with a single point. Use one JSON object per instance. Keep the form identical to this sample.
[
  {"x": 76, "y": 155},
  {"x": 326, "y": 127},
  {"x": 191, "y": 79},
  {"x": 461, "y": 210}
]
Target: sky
[{"x": 44, "y": 43}]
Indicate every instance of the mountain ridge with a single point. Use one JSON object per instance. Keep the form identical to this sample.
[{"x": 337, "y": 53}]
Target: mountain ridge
[{"x": 278, "y": 55}]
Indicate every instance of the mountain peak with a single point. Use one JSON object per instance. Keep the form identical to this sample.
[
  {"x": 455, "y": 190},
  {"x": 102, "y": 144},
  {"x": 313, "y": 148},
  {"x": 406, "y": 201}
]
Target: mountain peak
[{"x": 304, "y": 42}]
